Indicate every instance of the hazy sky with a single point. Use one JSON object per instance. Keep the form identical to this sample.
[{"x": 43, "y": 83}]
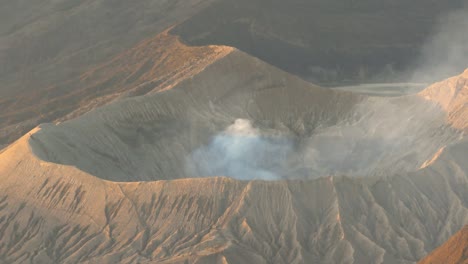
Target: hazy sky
[{"x": 446, "y": 52}]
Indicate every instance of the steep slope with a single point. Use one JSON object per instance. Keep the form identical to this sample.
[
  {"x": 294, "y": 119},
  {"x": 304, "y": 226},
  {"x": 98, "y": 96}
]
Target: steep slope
[
  {"x": 78, "y": 211},
  {"x": 452, "y": 96},
  {"x": 154, "y": 64},
  {"x": 48, "y": 42},
  {"x": 56, "y": 213},
  {"x": 46, "y": 45},
  {"x": 334, "y": 177},
  {"x": 454, "y": 251}
]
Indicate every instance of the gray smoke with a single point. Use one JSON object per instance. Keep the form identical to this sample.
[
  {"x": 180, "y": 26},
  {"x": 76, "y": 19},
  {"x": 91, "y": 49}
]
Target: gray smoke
[
  {"x": 389, "y": 136},
  {"x": 445, "y": 53},
  {"x": 242, "y": 152},
  {"x": 385, "y": 137}
]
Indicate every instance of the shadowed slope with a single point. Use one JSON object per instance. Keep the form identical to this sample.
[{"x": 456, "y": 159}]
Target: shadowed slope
[{"x": 327, "y": 41}]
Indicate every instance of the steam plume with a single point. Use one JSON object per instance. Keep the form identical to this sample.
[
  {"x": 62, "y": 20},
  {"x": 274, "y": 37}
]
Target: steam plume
[{"x": 446, "y": 52}]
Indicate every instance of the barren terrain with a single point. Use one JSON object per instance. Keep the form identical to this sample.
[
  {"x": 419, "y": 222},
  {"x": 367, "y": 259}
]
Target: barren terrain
[{"x": 188, "y": 132}]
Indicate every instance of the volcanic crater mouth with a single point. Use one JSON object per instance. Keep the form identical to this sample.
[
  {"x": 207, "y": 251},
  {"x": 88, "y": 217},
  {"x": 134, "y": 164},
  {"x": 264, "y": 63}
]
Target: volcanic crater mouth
[
  {"x": 251, "y": 124},
  {"x": 381, "y": 137}
]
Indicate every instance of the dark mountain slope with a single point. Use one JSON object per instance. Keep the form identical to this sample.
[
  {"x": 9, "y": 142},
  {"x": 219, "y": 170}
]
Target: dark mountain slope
[{"x": 327, "y": 41}]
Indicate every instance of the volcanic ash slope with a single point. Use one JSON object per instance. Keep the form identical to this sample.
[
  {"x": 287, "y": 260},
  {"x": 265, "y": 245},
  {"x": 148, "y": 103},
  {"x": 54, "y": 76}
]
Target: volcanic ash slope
[
  {"x": 452, "y": 96},
  {"x": 113, "y": 185},
  {"x": 454, "y": 251},
  {"x": 154, "y": 64}
]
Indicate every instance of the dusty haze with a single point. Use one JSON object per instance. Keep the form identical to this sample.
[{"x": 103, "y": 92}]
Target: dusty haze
[{"x": 445, "y": 52}]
